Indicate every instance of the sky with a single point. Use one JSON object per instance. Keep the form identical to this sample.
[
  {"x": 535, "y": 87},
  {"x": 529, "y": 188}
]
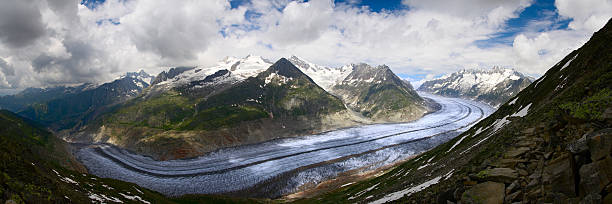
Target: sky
[{"x": 46, "y": 43}]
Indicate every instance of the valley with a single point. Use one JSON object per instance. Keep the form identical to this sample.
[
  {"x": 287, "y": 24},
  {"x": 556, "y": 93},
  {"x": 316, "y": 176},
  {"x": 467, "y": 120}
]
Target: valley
[
  {"x": 306, "y": 101},
  {"x": 279, "y": 167}
]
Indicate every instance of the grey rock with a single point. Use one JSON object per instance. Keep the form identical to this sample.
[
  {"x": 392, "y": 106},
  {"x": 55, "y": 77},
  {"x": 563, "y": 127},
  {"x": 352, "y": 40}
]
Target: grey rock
[
  {"x": 514, "y": 196},
  {"x": 522, "y": 172},
  {"x": 600, "y": 144},
  {"x": 514, "y": 153},
  {"x": 592, "y": 180},
  {"x": 607, "y": 114},
  {"x": 592, "y": 198},
  {"x": 558, "y": 174},
  {"x": 579, "y": 146},
  {"x": 608, "y": 198},
  {"x": 485, "y": 193},
  {"x": 512, "y": 187},
  {"x": 503, "y": 175}
]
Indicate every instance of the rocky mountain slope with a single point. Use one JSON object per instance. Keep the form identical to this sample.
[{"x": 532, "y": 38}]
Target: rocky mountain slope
[
  {"x": 196, "y": 110},
  {"x": 80, "y": 104},
  {"x": 549, "y": 144},
  {"x": 493, "y": 86},
  {"x": 375, "y": 92}
]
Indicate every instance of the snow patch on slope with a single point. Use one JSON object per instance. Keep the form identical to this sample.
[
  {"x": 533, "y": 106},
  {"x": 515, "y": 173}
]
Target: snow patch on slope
[
  {"x": 523, "y": 112},
  {"x": 407, "y": 192},
  {"x": 568, "y": 62}
]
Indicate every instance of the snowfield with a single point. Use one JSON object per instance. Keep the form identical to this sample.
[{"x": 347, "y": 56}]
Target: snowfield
[{"x": 279, "y": 167}]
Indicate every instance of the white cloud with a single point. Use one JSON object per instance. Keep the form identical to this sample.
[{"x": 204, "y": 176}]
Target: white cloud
[
  {"x": 75, "y": 44},
  {"x": 589, "y": 15}
]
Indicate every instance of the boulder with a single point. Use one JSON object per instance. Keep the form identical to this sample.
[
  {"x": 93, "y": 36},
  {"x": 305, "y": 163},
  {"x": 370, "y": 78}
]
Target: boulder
[
  {"x": 509, "y": 163},
  {"x": 485, "y": 193},
  {"x": 607, "y": 114},
  {"x": 516, "y": 152},
  {"x": 514, "y": 185},
  {"x": 593, "y": 177},
  {"x": 513, "y": 196},
  {"x": 592, "y": 198},
  {"x": 503, "y": 175},
  {"x": 579, "y": 146},
  {"x": 600, "y": 144},
  {"x": 607, "y": 199},
  {"x": 559, "y": 177}
]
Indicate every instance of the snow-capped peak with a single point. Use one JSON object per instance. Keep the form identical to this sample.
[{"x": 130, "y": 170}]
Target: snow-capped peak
[
  {"x": 243, "y": 68},
  {"x": 239, "y": 69},
  {"x": 486, "y": 79},
  {"x": 140, "y": 75},
  {"x": 497, "y": 83},
  {"x": 325, "y": 77}
]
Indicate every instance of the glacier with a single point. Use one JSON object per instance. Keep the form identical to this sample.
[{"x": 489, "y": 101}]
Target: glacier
[{"x": 279, "y": 167}]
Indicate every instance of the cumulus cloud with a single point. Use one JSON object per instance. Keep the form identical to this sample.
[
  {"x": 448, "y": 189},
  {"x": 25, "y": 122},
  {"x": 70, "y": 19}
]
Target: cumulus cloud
[
  {"x": 20, "y": 23},
  {"x": 174, "y": 30},
  {"x": 494, "y": 12},
  {"x": 536, "y": 52},
  {"x": 53, "y": 42}
]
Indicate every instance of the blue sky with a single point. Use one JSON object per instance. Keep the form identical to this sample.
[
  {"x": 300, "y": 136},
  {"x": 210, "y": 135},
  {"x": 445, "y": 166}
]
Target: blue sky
[{"x": 527, "y": 21}]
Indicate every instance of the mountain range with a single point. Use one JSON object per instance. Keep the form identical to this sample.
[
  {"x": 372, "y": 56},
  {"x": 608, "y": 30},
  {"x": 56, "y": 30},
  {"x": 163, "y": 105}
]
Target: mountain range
[
  {"x": 492, "y": 86},
  {"x": 188, "y": 111}
]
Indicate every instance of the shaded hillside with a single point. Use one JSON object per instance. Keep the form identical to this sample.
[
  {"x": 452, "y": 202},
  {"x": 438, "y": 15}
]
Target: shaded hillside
[
  {"x": 66, "y": 111},
  {"x": 550, "y": 143},
  {"x": 31, "y": 96},
  {"x": 35, "y": 169}
]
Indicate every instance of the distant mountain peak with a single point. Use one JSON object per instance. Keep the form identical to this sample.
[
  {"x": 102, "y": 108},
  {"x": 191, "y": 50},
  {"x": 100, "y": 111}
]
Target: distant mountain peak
[
  {"x": 285, "y": 68},
  {"x": 493, "y": 86},
  {"x": 140, "y": 75}
]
